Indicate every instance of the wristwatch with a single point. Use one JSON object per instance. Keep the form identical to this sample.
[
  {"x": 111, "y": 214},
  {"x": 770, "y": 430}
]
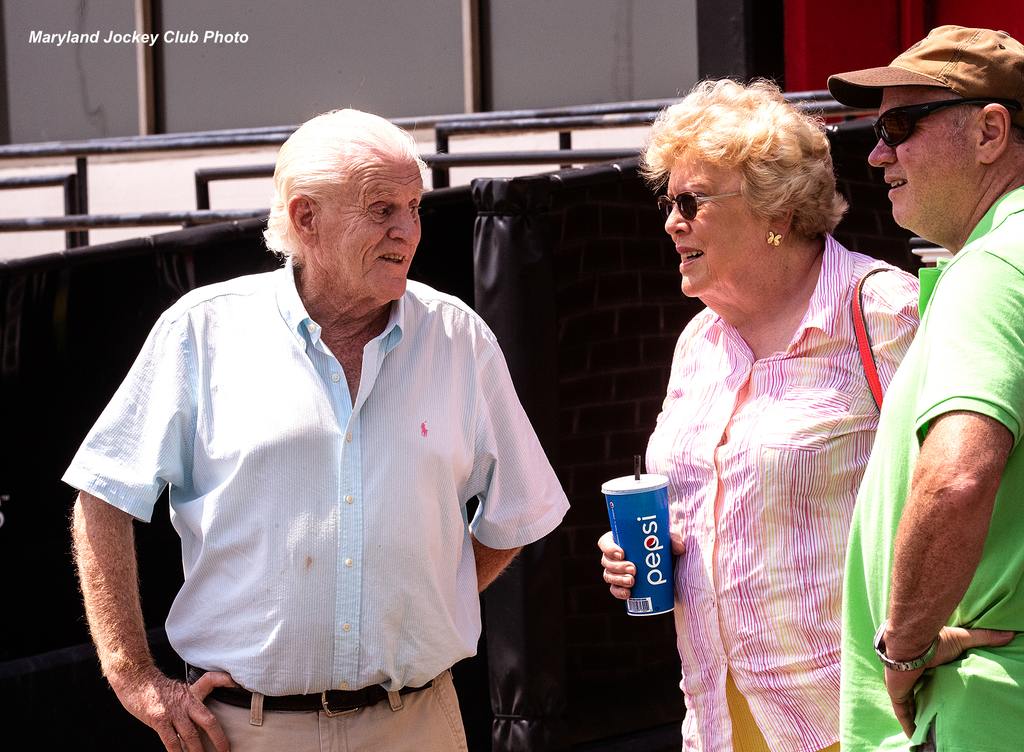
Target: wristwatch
[{"x": 911, "y": 665}]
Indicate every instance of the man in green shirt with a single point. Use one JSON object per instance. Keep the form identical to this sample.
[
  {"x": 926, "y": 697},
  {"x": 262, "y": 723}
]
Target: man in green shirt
[{"x": 934, "y": 588}]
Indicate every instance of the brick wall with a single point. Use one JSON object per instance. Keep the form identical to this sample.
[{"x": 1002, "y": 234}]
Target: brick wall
[
  {"x": 620, "y": 311},
  {"x": 868, "y": 226}
]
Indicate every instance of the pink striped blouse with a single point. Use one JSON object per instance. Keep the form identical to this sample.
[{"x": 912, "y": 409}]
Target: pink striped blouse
[{"x": 764, "y": 459}]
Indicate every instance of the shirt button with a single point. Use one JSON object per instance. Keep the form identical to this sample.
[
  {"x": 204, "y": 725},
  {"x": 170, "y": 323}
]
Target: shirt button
[
  {"x": 348, "y": 437},
  {"x": 349, "y": 499},
  {"x": 335, "y": 378},
  {"x": 346, "y": 627},
  {"x": 311, "y": 326},
  {"x": 343, "y": 685},
  {"x": 348, "y": 562}
]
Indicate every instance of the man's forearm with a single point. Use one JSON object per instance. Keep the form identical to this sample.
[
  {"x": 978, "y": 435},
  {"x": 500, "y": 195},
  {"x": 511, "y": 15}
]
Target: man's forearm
[
  {"x": 104, "y": 550},
  {"x": 490, "y": 562},
  {"x": 944, "y": 526}
]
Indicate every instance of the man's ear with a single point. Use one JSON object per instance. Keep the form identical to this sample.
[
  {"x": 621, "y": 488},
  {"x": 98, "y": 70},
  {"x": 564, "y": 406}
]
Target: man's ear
[
  {"x": 304, "y": 214},
  {"x": 993, "y": 134}
]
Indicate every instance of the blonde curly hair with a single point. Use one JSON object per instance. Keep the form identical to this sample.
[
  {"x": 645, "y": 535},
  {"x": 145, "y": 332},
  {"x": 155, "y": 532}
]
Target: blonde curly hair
[{"x": 781, "y": 153}]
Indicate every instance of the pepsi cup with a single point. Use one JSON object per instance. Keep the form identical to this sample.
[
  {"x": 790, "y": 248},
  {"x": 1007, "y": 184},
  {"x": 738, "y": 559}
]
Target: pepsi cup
[{"x": 638, "y": 511}]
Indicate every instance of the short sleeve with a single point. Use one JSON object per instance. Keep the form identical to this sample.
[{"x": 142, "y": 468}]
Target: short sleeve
[
  {"x": 890, "y": 312},
  {"x": 144, "y": 438},
  {"x": 974, "y": 357},
  {"x": 521, "y": 499}
]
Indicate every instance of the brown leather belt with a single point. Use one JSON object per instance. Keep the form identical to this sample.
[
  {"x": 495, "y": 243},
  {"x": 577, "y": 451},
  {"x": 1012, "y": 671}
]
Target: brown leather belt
[{"x": 332, "y": 702}]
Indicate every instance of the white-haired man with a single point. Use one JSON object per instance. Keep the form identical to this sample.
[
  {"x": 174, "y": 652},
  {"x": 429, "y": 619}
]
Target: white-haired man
[
  {"x": 933, "y": 577},
  {"x": 321, "y": 429}
]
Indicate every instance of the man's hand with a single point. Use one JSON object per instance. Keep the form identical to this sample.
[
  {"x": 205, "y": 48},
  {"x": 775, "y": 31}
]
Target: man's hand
[
  {"x": 939, "y": 544},
  {"x": 104, "y": 549},
  {"x": 174, "y": 709},
  {"x": 953, "y": 641},
  {"x": 618, "y": 572}
]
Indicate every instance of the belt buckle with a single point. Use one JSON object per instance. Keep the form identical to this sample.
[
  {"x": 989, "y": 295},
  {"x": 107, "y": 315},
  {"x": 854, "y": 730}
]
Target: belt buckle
[{"x": 327, "y": 707}]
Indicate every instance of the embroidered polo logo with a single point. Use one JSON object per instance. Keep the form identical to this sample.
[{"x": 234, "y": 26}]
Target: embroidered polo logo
[{"x": 423, "y": 429}]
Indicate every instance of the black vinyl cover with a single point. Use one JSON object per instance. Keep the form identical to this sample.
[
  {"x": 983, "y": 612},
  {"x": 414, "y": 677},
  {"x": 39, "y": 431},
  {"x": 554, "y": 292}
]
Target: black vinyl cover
[{"x": 514, "y": 292}]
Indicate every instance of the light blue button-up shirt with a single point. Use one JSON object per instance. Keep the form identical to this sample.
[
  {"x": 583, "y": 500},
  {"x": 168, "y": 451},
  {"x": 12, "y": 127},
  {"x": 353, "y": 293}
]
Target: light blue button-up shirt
[{"x": 325, "y": 539}]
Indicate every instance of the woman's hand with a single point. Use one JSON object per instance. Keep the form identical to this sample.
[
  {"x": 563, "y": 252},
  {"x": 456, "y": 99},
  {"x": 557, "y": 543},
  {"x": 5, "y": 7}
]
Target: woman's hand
[{"x": 618, "y": 572}]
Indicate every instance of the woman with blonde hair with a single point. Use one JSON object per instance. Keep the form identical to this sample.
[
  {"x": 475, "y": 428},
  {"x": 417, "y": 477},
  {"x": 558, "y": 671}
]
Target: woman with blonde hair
[{"x": 769, "y": 419}]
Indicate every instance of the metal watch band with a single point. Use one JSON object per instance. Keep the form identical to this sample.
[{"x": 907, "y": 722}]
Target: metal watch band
[{"x": 912, "y": 665}]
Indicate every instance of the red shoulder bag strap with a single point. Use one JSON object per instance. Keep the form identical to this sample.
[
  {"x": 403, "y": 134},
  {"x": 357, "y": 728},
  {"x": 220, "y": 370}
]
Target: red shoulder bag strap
[{"x": 864, "y": 341}]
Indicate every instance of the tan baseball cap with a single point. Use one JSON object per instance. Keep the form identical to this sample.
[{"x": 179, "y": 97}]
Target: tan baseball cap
[{"x": 973, "y": 63}]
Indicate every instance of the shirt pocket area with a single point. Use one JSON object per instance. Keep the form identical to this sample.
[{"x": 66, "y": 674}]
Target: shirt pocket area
[{"x": 805, "y": 419}]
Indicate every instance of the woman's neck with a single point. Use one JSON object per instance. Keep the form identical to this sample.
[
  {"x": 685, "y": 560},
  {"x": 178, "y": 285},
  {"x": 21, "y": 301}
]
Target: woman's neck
[{"x": 775, "y": 300}]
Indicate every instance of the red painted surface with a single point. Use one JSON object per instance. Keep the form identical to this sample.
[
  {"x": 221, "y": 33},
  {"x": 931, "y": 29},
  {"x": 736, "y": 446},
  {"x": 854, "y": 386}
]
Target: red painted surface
[
  {"x": 825, "y": 38},
  {"x": 913, "y": 24},
  {"x": 1007, "y": 15}
]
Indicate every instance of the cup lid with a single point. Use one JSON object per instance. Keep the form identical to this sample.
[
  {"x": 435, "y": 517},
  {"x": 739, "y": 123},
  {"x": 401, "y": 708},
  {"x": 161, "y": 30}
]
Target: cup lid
[{"x": 628, "y": 484}]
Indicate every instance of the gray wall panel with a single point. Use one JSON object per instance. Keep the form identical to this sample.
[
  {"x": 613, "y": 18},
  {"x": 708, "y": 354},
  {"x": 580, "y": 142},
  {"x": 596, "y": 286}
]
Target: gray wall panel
[
  {"x": 70, "y": 91},
  {"x": 403, "y": 57},
  {"x": 546, "y": 53},
  {"x": 397, "y": 58}
]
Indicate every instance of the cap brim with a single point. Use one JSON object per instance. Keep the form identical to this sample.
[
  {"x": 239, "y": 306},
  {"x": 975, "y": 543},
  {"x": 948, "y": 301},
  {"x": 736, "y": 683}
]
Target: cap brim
[{"x": 863, "y": 88}]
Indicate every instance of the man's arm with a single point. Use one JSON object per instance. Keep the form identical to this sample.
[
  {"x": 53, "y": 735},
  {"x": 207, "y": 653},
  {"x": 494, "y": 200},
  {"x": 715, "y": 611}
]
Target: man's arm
[
  {"x": 104, "y": 551},
  {"x": 939, "y": 544},
  {"x": 490, "y": 562}
]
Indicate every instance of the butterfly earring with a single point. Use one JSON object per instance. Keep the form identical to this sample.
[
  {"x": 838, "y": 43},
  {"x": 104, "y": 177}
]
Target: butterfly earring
[{"x": 774, "y": 239}]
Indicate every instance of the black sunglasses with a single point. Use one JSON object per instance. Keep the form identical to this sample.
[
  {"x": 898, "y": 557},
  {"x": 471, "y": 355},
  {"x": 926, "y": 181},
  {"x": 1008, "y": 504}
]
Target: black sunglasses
[
  {"x": 688, "y": 203},
  {"x": 895, "y": 126}
]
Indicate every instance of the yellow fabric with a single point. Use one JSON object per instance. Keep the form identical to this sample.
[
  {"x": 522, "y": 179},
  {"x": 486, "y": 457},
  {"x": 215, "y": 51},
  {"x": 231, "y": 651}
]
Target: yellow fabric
[{"x": 746, "y": 736}]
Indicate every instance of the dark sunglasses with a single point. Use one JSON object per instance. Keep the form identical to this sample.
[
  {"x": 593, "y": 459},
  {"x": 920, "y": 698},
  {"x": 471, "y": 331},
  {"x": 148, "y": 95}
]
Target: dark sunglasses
[
  {"x": 895, "y": 126},
  {"x": 688, "y": 203}
]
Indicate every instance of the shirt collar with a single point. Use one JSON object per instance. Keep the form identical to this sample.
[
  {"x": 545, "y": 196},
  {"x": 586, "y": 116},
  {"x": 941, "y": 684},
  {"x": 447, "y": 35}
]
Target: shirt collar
[
  {"x": 301, "y": 325},
  {"x": 290, "y": 304},
  {"x": 1005, "y": 206},
  {"x": 836, "y": 268},
  {"x": 392, "y": 333}
]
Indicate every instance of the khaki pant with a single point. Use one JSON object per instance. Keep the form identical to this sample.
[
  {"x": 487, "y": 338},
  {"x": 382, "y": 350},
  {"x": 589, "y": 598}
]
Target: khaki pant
[{"x": 425, "y": 721}]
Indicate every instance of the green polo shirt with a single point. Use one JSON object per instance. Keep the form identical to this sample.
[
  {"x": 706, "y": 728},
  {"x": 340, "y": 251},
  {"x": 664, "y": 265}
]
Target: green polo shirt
[{"x": 968, "y": 355}]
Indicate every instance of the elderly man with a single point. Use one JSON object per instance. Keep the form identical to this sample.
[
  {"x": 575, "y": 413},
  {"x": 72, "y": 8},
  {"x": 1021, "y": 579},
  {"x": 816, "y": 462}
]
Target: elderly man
[
  {"x": 321, "y": 428},
  {"x": 936, "y": 558}
]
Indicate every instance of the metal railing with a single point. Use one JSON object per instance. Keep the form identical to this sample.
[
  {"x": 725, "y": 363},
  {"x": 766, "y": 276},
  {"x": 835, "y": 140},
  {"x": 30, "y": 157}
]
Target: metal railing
[
  {"x": 69, "y": 183},
  {"x": 440, "y": 163},
  {"x": 592, "y": 117},
  {"x": 76, "y": 220}
]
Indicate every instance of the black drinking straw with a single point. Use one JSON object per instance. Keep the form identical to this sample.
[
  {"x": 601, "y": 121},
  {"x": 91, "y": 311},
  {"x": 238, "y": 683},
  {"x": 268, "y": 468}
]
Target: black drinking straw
[{"x": 636, "y": 466}]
